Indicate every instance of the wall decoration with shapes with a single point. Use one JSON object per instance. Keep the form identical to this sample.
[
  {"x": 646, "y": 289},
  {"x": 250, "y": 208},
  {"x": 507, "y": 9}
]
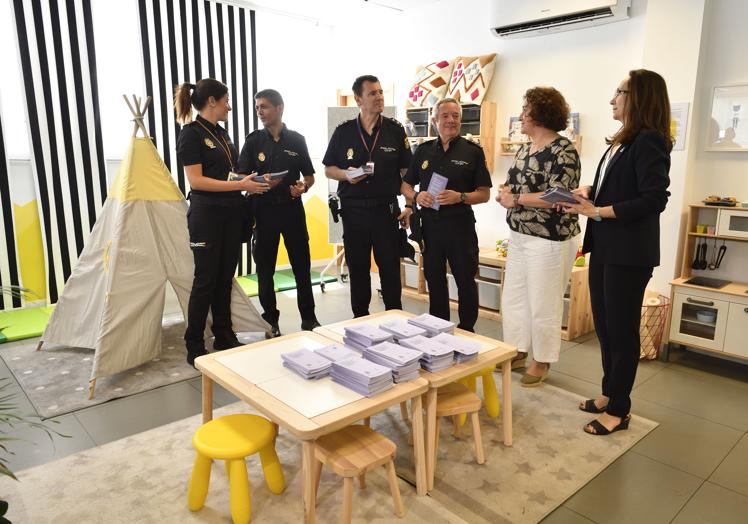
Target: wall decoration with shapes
[
  {"x": 9, "y": 274},
  {"x": 471, "y": 77},
  {"x": 58, "y": 62},
  {"x": 185, "y": 41}
]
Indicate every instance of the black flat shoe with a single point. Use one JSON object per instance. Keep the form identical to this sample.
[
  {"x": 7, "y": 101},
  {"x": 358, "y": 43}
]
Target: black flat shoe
[
  {"x": 309, "y": 325},
  {"x": 192, "y": 355},
  {"x": 595, "y": 428},
  {"x": 274, "y": 332},
  {"x": 590, "y": 407},
  {"x": 221, "y": 344}
]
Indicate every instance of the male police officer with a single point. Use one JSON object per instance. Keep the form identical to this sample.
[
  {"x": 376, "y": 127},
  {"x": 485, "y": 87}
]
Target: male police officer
[
  {"x": 280, "y": 211},
  {"x": 449, "y": 232},
  {"x": 367, "y": 156}
]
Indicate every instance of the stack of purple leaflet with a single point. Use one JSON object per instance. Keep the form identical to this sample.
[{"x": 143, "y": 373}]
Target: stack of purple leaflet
[
  {"x": 403, "y": 362},
  {"x": 335, "y": 352},
  {"x": 362, "y": 376},
  {"x": 362, "y": 336},
  {"x": 401, "y": 329},
  {"x": 433, "y": 325},
  {"x": 464, "y": 348},
  {"x": 436, "y": 356},
  {"x": 306, "y": 363}
]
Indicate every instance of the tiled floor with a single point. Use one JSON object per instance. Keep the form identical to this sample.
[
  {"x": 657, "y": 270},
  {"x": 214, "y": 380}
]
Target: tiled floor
[{"x": 693, "y": 468}]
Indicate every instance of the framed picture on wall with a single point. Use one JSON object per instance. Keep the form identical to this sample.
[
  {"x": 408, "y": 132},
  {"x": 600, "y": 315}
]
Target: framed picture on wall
[{"x": 727, "y": 128}]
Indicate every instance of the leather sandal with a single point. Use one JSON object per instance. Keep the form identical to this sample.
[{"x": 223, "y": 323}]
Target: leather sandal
[
  {"x": 589, "y": 406},
  {"x": 596, "y": 428}
]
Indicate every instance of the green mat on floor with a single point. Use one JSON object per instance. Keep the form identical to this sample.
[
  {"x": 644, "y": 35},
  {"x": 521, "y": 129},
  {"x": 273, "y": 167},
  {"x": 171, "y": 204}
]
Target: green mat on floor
[
  {"x": 315, "y": 276},
  {"x": 248, "y": 285},
  {"x": 18, "y": 324},
  {"x": 281, "y": 282}
]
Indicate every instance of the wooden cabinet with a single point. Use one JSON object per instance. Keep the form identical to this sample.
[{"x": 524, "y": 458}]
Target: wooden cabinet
[
  {"x": 478, "y": 125},
  {"x": 712, "y": 319},
  {"x": 577, "y": 314}
]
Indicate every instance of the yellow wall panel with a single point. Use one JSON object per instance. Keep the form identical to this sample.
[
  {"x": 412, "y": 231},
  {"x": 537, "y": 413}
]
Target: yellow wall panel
[
  {"x": 30, "y": 249},
  {"x": 316, "y": 223}
]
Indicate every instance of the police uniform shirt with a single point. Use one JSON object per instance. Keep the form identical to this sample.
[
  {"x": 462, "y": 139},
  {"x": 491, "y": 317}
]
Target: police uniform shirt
[
  {"x": 201, "y": 142},
  {"x": 263, "y": 155},
  {"x": 390, "y": 154},
  {"x": 463, "y": 164}
]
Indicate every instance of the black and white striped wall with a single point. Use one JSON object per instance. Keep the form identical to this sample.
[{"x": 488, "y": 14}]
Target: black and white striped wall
[
  {"x": 184, "y": 41},
  {"x": 58, "y": 61},
  {"x": 9, "y": 273}
]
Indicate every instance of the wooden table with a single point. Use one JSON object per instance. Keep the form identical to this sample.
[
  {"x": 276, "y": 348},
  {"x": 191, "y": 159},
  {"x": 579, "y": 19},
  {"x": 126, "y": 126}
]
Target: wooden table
[
  {"x": 307, "y": 429},
  {"x": 499, "y": 352}
]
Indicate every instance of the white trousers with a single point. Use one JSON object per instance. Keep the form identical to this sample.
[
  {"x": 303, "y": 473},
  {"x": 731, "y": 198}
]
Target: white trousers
[{"x": 537, "y": 272}]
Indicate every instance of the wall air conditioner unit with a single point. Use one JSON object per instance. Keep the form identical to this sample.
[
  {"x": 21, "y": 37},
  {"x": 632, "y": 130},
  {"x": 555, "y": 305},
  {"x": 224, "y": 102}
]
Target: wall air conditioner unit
[{"x": 521, "y": 18}]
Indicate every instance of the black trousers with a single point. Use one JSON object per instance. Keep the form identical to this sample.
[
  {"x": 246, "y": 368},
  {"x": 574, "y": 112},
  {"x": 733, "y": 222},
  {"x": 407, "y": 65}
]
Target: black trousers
[
  {"x": 215, "y": 238},
  {"x": 616, "y": 294},
  {"x": 451, "y": 239},
  {"x": 364, "y": 229},
  {"x": 272, "y": 221}
]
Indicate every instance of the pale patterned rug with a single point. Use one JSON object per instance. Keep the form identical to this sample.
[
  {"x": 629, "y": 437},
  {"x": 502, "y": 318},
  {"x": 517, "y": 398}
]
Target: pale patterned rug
[
  {"x": 144, "y": 478},
  {"x": 55, "y": 379}
]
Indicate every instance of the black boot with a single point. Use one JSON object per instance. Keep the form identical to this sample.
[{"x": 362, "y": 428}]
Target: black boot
[
  {"x": 309, "y": 324},
  {"x": 221, "y": 343},
  {"x": 194, "y": 350}
]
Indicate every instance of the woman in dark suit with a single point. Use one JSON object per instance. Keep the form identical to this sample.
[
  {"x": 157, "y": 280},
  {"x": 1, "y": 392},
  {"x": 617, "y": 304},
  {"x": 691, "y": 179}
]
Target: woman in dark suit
[{"x": 623, "y": 236}]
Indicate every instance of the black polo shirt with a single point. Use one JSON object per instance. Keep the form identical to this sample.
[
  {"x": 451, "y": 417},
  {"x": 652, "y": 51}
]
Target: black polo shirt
[
  {"x": 464, "y": 165},
  {"x": 263, "y": 155},
  {"x": 390, "y": 153},
  {"x": 201, "y": 142}
]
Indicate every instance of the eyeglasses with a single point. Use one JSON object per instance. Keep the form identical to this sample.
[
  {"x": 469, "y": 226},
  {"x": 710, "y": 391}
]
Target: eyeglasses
[{"x": 620, "y": 92}]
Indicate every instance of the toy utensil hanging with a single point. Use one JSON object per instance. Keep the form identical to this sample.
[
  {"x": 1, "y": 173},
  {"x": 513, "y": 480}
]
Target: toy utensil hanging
[
  {"x": 702, "y": 256},
  {"x": 721, "y": 254},
  {"x": 697, "y": 250},
  {"x": 713, "y": 263}
]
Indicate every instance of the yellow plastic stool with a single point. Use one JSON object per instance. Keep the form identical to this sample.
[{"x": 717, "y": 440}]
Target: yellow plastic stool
[
  {"x": 233, "y": 438},
  {"x": 490, "y": 394}
]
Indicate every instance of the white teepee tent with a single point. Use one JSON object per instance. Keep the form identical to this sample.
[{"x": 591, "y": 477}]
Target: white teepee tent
[{"x": 113, "y": 301}]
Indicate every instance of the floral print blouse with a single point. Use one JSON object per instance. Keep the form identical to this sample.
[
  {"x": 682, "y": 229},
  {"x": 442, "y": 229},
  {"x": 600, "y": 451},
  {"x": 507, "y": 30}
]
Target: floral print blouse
[{"x": 557, "y": 164}]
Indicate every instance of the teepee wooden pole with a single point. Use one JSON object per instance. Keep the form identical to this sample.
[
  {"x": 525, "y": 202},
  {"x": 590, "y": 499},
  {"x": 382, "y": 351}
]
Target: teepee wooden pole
[
  {"x": 39, "y": 345},
  {"x": 91, "y": 387}
]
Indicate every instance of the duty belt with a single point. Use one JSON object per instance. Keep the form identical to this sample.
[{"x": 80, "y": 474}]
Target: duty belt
[{"x": 368, "y": 202}]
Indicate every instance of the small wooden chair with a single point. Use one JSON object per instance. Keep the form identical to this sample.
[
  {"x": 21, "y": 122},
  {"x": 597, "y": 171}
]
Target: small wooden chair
[
  {"x": 233, "y": 438},
  {"x": 351, "y": 452},
  {"x": 453, "y": 400}
]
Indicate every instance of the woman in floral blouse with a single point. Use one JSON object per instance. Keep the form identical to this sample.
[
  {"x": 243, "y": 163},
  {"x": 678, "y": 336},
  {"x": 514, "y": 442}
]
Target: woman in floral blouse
[{"x": 542, "y": 242}]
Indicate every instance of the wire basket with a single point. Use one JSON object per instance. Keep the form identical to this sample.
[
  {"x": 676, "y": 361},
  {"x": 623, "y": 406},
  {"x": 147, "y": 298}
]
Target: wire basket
[{"x": 652, "y": 326}]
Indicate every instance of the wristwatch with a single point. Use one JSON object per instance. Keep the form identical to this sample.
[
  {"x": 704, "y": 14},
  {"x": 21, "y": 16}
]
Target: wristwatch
[
  {"x": 596, "y": 217},
  {"x": 408, "y": 206},
  {"x": 463, "y": 198}
]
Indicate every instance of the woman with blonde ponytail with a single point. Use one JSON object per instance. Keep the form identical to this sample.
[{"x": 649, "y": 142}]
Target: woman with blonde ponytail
[{"x": 216, "y": 218}]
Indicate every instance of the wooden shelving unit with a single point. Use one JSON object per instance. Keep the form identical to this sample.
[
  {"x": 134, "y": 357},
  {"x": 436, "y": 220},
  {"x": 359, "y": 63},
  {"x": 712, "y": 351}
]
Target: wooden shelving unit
[
  {"x": 478, "y": 125},
  {"x": 727, "y": 333},
  {"x": 577, "y": 319}
]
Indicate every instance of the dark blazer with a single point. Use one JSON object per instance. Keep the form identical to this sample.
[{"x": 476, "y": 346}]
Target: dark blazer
[{"x": 635, "y": 184}]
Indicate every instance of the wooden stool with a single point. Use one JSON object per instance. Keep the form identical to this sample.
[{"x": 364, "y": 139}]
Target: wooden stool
[
  {"x": 453, "y": 400},
  {"x": 233, "y": 438},
  {"x": 351, "y": 452},
  {"x": 490, "y": 394}
]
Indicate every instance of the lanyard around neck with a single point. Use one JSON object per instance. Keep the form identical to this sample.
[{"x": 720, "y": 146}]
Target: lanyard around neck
[
  {"x": 363, "y": 140},
  {"x": 221, "y": 142}
]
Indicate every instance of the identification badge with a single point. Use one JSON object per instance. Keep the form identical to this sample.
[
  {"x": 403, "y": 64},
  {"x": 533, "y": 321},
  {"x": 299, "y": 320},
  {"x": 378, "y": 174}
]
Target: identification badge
[
  {"x": 261, "y": 157},
  {"x": 349, "y": 153},
  {"x": 368, "y": 168},
  {"x": 209, "y": 143}
]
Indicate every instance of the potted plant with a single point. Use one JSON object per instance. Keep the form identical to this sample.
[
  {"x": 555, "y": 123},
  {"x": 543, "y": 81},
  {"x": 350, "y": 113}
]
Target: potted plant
[{"x": 10, "y": 418}]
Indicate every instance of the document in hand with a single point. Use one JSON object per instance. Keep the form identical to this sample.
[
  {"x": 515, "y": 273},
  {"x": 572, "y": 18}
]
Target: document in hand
[
  {"x": 273, "y": 176},
  {"x": 558, "y": 195},
  {"x": 358, "y": 172},
  {"x": 437, "y": 184}
]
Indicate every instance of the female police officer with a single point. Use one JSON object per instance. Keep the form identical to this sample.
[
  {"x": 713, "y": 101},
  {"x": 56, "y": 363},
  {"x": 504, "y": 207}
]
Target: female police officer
[{"x": 217, "y": 210}]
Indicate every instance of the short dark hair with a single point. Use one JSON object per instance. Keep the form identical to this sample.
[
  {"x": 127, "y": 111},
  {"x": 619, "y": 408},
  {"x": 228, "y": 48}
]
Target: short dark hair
[
  {"x": 647, "y": 108},
  {"x": 548, "y": 107},
  {"x": 271, "y": 95},
  {"x": 358, "y": 84}
]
